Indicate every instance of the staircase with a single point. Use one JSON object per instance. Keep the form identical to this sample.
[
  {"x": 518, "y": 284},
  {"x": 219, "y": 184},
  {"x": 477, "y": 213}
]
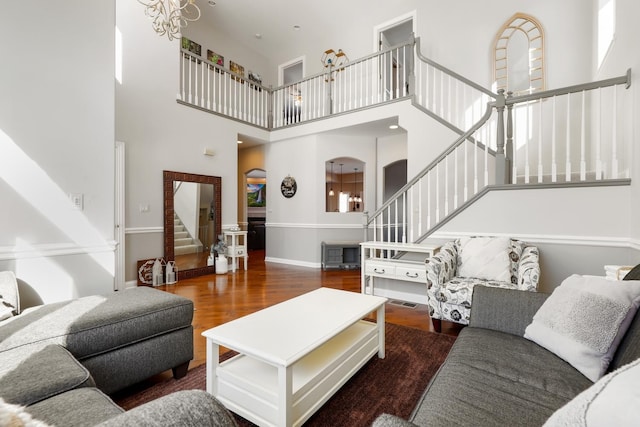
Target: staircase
[
  {"x": 183, "y": 243},
  {"x": 572, "y": 136}
]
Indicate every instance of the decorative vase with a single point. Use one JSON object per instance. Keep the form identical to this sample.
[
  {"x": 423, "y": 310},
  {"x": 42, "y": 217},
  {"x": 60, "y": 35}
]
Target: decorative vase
[{"x": 222, "y": 265}]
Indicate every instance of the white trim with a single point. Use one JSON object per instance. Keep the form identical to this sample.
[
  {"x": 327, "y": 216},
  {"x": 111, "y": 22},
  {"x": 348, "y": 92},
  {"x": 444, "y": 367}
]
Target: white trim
[
  {"x": 120, "y": 216},
  {"x": 313, "y": 226},
  {"x": 293, "y": 262},
  {"x": 392, "y": 23},
  {"x": 144, "y": 230},
  {"x": 131, "y": 284},
  {"x": 10, "y": 253},
  {"x": 613, "y": 242}
]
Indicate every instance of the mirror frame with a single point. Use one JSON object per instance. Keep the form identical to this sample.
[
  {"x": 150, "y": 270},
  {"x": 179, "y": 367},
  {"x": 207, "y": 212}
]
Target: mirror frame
[
  {"x": 169, "y": 177},
  {"x": 532, "y": 29}
]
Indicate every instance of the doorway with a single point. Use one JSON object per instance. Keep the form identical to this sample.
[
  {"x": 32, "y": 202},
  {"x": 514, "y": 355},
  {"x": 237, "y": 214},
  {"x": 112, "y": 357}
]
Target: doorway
[
  {"x": 395, "y": 66},
  {"x": 289, "y": 74},
  {"x": 256, "y": 209}
]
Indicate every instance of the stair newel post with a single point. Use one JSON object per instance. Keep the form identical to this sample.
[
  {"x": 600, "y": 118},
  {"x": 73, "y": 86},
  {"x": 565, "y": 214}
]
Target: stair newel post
[
  {"x": 365, "y": 225},
  {"x": 271, "y": 101},
  {"x": 509, "y": 146},
  {"x": 501, "y": 166}
]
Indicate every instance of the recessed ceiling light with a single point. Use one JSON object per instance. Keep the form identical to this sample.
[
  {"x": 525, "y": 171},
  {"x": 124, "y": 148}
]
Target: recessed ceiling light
[
  {"x": 393, "y": 127},
  {"x": 239, "y": 142},
  {"x": 212, "y": 3},
  {"x": 258, "y": 36},
  {"x": 296, "y": 27}
]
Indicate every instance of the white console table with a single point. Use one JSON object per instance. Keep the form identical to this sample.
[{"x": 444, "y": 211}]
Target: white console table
[
  {"x": 378, "y": 262},
  {"x": 236, "y": 242}
]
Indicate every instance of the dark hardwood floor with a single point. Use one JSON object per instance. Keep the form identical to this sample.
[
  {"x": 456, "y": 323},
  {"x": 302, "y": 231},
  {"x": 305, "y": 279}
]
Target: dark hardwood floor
[{"x": 221, "y": 298}]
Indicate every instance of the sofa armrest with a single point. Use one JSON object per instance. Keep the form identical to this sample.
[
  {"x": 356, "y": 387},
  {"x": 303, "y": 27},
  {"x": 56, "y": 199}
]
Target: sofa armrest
[
  {"x": 504, "y": 310},
  {"x": 387, "y": 420},
  {"x": 529, "y": 269},
  {"x": 182, "y": 408},
  {"x": 441, "y": 268}
]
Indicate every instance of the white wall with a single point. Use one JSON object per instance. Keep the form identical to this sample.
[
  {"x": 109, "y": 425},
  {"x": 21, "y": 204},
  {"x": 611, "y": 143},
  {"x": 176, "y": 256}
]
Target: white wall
[
  {"x": 212, "y": 39},
  {"x": 56, "y": 138},
  {"x": 624, "y": 54}
]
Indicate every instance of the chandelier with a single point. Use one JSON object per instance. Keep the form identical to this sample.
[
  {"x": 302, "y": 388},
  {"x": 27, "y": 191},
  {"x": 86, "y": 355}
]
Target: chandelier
[{"x": 169, "y": 16}]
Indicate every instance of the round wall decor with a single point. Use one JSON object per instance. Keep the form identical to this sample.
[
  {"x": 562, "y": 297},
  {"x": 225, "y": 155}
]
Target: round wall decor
[{"x": 288, "y": 187}]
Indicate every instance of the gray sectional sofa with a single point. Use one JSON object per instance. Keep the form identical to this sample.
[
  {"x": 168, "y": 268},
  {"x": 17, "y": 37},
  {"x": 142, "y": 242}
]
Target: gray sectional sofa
[
  {"x": 61, "y": 360},
  {"x": 493, "y": 376}
]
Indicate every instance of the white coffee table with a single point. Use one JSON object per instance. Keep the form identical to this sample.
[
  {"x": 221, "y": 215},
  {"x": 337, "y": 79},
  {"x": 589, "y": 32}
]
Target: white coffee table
[{"x": 293, "y": 356}]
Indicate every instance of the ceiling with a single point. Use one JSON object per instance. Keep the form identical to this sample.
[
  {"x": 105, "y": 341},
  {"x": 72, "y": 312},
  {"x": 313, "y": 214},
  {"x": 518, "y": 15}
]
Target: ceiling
[{"x": 275, "y": 20}]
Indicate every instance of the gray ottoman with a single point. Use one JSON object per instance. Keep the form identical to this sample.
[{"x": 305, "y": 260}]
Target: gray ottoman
[{"x": 121, "y": 338}]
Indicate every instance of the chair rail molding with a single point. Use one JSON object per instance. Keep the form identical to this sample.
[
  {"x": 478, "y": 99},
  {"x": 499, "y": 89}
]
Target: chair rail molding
[
  {"x": 603, "y": 241},
  {"x": 43, "y": 250}
]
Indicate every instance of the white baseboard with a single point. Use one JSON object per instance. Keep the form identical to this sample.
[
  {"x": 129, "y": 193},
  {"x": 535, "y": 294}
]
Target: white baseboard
[{"x": 293, "y": 262}]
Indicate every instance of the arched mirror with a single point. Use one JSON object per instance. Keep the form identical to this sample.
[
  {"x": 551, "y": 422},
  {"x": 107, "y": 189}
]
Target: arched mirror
[
  {"x": 519, "y": 56},
  {"x": 192, "y": 220},
  {"x": 344, "y": 185}
]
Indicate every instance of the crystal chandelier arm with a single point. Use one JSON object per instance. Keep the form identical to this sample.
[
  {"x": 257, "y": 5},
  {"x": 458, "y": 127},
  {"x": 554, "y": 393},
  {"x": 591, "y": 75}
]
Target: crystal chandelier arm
[{"x": 169, "y": 16}]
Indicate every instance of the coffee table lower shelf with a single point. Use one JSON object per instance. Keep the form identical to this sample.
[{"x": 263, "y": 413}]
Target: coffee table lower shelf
[{"x": 257, "y": 390}]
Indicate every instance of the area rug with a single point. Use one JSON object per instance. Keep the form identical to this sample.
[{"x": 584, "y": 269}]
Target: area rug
[{"x": 391, "y": 385}]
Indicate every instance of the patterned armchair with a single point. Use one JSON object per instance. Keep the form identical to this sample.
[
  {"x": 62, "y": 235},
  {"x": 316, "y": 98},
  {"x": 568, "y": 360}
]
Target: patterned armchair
[{"x": 449, "y": 293}]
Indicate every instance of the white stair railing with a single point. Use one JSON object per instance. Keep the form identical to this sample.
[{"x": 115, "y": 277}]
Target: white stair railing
[
  {"x": 574, "y": 134},
  {"x": 444, "y": 186}
]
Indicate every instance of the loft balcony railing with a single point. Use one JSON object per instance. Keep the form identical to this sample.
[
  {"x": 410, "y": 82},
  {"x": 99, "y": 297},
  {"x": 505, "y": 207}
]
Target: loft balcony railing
[{"x": 570, "y": 136}]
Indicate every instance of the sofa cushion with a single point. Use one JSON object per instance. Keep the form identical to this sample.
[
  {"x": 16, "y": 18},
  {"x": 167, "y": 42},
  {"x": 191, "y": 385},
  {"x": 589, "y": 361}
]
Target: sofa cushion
[
  {"x": 485, "y": 258},
  {"x": 527, "y": 383},
  {"x": 584, "y": 320},
  {"x": 80, "y": 407},
  {"x": 187, "y": 408},
  {"x": 9, "y": 295},
  {"x": 611, "y": 401},
  {"x": 97, "y": 324},
  {"x": 26, "y": 374}
]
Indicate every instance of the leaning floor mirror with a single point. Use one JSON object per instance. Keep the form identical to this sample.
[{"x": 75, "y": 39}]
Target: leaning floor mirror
[{"x": 192, "y": 221}]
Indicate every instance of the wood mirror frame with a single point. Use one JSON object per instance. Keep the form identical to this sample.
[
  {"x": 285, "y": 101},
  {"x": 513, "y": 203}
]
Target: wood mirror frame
[{"x": 169, "y": 178}]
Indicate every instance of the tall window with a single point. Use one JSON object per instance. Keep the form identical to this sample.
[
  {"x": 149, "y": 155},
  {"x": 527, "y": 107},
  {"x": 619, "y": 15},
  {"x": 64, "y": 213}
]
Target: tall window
[{"x": 606, "y": 27}]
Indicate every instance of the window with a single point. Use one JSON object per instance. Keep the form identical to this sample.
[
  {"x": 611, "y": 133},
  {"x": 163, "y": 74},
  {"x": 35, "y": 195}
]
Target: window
[{"x": 606, "y": 27}]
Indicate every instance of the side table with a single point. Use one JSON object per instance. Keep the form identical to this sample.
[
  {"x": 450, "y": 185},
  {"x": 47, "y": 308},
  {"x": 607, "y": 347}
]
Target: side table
[{"x": 236, "y": 242}]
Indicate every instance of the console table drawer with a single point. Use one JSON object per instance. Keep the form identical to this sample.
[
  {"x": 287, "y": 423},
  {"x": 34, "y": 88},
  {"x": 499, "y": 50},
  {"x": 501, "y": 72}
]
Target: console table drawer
[
  {"x": 380, "y": 270},
  {"x": 237, "y": 251},
  {"x": 413, "y": 274}
]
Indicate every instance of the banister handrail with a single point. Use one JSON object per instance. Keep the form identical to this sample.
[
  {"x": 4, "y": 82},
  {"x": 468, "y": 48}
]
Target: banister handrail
[
  {"x": 614, "y": 81},
  {"x": 342, "y": 67}
]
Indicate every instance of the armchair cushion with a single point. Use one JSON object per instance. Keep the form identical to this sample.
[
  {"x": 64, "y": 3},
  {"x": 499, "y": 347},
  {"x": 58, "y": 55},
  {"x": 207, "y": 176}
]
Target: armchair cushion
[
  {"x": 584, "y": 320},
  {"x": 485, "y": 258}
]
